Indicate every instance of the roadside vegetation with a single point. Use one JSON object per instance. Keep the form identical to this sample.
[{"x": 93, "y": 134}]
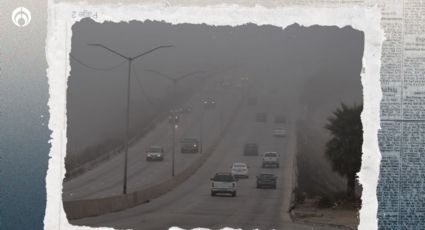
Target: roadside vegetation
[
  {"x": 327, "y": 189},
  {"x": 344, "y": 149}
]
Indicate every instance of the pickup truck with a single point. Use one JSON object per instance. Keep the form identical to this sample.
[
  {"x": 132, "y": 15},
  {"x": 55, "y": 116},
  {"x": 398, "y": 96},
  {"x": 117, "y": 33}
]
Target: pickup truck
[
  {"x": 223, "y": 182},
  {"x": 270, "y": 159}
]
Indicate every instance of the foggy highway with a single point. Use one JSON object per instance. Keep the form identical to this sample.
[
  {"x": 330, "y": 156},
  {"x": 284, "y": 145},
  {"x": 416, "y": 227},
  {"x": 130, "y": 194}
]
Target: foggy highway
[
  {"x": 106, "y": 179},
  {"x": 191, "y": 205},
  {"x": 298, "y": 72}
]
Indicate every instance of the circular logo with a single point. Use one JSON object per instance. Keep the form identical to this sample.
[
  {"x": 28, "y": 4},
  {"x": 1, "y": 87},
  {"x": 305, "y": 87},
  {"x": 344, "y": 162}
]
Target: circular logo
[{"x": 21, "y": 17}]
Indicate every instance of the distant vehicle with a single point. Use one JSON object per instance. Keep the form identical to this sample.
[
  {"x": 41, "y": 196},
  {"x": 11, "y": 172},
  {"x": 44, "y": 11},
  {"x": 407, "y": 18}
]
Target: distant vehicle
[
  {"x": 187, "y": 109},
  {"x": 209, "y": 103},
  {"x": 279, "y": 119},
  {"x": 270, "y": 159},
  {"x": 279, "y": 132},
  {"x": 223, "y": 182},
  {"x": 252, "y": 101},
  {"x": 189, "y": 145},
  {"x": 155, "y": 153},
  {"x": 240, "y": 170},
  {"x": 261, "y": 117},
  {"x": 226, "y": 84},
  {"x": 250, "y": 149},
  {"x": 266, "y": 180}
]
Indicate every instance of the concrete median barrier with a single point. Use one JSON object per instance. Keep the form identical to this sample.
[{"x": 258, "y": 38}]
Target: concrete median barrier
[{"x": 93, "y": 207}]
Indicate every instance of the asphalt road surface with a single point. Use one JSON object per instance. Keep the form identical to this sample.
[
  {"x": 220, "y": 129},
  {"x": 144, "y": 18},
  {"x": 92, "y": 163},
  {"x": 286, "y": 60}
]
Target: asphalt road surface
[
  {"x": 190, "y": 204},
  {"x": 106, "y": 179}
]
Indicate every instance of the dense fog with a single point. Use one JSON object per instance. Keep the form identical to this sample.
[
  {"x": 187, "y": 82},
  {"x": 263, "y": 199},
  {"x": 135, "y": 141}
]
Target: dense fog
[{"x": 311, "y": 69}]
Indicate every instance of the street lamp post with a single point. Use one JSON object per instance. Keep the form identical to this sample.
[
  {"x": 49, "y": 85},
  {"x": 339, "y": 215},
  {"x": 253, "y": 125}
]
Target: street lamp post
[
  {"x": 173, "y": 114},
  {"x": 201, "y": 120},
  {"x": 173, "y": 120},
  {"x": 200, "y": 130},
  {"x": 127, "y": 133}
]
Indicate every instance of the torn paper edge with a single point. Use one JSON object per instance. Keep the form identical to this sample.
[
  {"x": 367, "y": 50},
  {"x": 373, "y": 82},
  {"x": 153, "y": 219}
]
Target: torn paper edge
[{"x": 58, "y": 46}]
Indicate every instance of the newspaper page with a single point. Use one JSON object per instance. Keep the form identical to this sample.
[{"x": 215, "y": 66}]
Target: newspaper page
[
  {"x": 402, "y": 110},
  {"x": 401, "y": 139}
]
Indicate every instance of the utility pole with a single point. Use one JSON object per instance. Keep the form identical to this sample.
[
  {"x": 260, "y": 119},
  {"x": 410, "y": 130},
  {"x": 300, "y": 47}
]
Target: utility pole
[
  {"x": 174, "y": 130},
  {"x": 127, "y": 133}
]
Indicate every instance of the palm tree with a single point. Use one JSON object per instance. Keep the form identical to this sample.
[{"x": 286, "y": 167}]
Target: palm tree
[{"x": 344, "y": 149}]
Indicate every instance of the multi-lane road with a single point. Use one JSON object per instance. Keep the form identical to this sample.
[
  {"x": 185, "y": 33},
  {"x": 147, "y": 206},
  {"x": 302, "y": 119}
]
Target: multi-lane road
[
  {"x": 107, "y": 179},
  {"x": 190, "y": 204}
]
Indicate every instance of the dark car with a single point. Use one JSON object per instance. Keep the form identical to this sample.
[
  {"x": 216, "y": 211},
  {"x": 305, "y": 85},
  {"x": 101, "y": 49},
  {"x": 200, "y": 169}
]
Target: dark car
[
  {"x": 155, "y": 153},
  {"x": 266, "y": 180},
  {"x": 280, "y": 119},
  {"x": 250, "y": 149},
  {"x": 261, "y": 117},
  {"x": 209, "y": 103},
  {"x": 189, "y": 145}
]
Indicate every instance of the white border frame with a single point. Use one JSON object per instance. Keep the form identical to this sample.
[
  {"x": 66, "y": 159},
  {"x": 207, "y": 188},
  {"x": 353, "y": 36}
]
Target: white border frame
[{"x": 366, "y": 19}]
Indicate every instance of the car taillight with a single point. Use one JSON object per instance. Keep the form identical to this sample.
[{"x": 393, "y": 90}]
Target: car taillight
[
  {"x": 212, "y": 184},
  {"x": 233, "y": 184}
]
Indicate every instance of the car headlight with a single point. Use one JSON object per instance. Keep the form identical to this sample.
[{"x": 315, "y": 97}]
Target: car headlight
[{"x": 194, "y": 145}]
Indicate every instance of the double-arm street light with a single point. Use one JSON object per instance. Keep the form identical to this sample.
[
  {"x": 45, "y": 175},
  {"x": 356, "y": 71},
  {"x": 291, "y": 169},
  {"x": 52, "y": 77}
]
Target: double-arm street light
[
  {"x": 173, "y": 119},
  {"x": 127, "y": 133}
]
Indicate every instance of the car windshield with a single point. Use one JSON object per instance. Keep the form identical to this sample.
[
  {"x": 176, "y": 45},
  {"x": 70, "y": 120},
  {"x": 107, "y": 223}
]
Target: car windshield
[
  {"x": 266, "y": 175},
  {"x": 270, "y": 154},
  {"x": 189, "y": 140},
  {"x": 239, "y": 165},
  {"x": 155, "y": 149},
  {"x": 223, "y": 178}
]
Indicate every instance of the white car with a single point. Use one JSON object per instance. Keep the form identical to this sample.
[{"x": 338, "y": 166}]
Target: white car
[
  {"x": 155, "y": 153},
  {"x": 279, "y": 132},
  {"x": 223, "y": 182},
  {"x": 240, "y": 170},
  {"x": 270, "y": 159}
]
